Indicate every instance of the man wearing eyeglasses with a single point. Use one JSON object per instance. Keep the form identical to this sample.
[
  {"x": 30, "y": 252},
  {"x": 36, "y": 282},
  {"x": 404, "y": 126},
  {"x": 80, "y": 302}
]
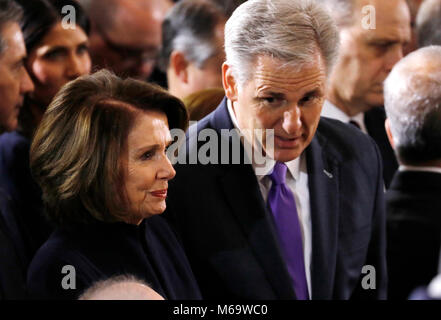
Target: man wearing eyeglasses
[{"x": 126, "y": 34}]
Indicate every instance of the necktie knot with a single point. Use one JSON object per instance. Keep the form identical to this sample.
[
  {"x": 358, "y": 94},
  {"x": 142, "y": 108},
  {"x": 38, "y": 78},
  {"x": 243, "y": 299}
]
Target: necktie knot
[{"x": 278, "y": 176}]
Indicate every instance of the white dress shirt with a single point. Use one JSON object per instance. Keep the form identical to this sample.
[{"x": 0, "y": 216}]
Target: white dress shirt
[
  {"x": 297, "y": 181},
  {"x": 331, "y": 111},
  {"x": 420, "y": 168}
]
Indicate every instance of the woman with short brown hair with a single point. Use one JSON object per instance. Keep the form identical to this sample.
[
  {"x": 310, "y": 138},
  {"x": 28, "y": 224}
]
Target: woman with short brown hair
[{"x": 99, "y": 156}]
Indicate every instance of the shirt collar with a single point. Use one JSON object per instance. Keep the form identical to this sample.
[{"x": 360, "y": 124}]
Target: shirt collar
[
  {"x": 332, "y": 111},
  {"x": 293, "y": 165},
  {"x": 420, "y": 168}
]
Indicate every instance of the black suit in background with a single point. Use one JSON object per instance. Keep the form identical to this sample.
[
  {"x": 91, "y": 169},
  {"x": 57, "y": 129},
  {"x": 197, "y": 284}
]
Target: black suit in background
[
  {"x": 17, "y": 182},
  {"x": 12, "y": 254},
  {"x": 414, "y": 231},
  {"x": 374, "y": 120},
  {"x": 220, "y": 215}
]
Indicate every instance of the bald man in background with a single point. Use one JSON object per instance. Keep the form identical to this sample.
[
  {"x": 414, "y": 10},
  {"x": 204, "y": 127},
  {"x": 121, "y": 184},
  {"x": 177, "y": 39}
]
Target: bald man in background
[
  {"x": 123, "y": 287},
  {"x": 126, "y": 34},
  {"x": 413, "y": 105}
]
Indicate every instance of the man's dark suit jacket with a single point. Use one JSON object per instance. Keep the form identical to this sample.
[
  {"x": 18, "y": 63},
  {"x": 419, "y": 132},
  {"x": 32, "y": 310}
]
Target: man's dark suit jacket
[
  {"x": 16, "y": 180},
  {"x": 12, "y": 254},
  {"x": 413, "y": 205},
  {"x": 220, "y": 215},
  {"x": 374, "y": 120}
]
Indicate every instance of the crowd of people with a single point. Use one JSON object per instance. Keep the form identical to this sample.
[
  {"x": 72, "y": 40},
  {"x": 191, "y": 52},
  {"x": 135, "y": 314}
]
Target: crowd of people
[{"x": 312, "y": 172}]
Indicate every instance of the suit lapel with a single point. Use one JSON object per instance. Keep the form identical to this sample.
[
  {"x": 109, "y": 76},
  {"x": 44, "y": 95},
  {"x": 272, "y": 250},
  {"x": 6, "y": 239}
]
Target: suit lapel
[
  {"x": 249, "y": 209},
  {"x": 323, "y": 177},
  {"x": 250, "y": 212}
]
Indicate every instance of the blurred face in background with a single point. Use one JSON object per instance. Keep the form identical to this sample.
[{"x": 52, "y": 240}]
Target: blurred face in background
[
  {"x": 367, "y": 56},
  {"x": 210, "y": 74},
  {"x": 61, "y": 56},
  {"x": 186, "y": 77},
  {"x": 414, "y": 6},
  {"x": 146, "y": 167},
  {"x": 14, "y": 79},
  {"x": 130, "y": 44}
]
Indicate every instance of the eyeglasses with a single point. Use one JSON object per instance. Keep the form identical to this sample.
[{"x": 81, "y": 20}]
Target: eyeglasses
[{"x": 126, "y": 53}]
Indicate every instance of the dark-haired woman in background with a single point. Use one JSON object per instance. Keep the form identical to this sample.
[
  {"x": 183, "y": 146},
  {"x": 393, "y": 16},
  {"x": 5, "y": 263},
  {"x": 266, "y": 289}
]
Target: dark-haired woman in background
[
  {"x": 56, "y": 55},
  {"x": 100, "y": 158}
]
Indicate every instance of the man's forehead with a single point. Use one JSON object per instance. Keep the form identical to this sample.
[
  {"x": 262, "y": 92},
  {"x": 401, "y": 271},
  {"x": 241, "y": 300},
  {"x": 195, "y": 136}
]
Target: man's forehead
[
  {"x": 392, "y": 23},
  {"x": 15, "y": 49},
  {"x": 135, "y": 26},
  {"x": 385, "y": 12},
  {"x": 271, "y": 73}
]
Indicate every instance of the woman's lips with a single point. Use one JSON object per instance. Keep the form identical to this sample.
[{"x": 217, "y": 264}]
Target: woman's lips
[
  {"x": 282, "y": 142},
  {"x": 160, "y": 193}
]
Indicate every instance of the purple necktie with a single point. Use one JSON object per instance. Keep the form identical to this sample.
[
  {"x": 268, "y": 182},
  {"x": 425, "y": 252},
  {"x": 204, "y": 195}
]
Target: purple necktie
[{"x": 283, "y": 206}]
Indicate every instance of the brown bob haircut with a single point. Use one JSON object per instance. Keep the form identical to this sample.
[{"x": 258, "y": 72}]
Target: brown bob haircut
[{"x": 75, "y": 153}]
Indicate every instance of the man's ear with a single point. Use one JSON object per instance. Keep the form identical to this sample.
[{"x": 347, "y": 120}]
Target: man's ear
[
  {"x": 389, "y": 133},
  {"x": 179, "y": 65},
  {"x": 229, "y": 82}
]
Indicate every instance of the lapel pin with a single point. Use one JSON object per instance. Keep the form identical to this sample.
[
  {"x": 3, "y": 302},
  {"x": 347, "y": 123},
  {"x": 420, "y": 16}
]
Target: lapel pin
[{"x": 330, "y": 175}]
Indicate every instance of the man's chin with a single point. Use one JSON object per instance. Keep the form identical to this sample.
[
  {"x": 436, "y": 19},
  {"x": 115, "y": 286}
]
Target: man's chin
[
  {"x": 375, "y": 100},
  {"x": 286, "y": 155},
  {"x": 9, "y": 126}
]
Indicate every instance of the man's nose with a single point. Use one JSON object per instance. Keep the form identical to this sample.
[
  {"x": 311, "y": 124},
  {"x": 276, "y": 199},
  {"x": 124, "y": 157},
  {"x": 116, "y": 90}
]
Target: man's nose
[
  {"x": 145, "y": 69},
  {"x": 26, "y": 84},
  {"x": 291, "y": 120}
]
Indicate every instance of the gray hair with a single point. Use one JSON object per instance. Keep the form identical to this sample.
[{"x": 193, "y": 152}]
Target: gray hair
[
  {"x": 290, "y": 30},
  {"x": 120, "y": 282},
  {"x": 341, "y": 10},
  {"x": 10, "y": 12},
  {"x": 412, "y": 96},
  {"x": 189, "y": 27},
  {"x": 428, "y": 23}
]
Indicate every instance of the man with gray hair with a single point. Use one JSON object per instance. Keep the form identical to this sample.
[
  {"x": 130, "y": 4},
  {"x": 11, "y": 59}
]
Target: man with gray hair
[
  {"x": 373, "y": 34},
  {"x": 428, "y": 23},
  {"x": 14, "y": 80},
  {"x": 306, "y": 223},
  {"x": 413, "y": 106},
  {"x": 14, "y": 84},
  {"x": 193, "y": 47}
]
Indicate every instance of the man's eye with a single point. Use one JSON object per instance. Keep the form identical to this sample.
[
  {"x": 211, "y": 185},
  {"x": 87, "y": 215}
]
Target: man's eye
[
  {"x": 307, "y": 99},
  {"x": 272, "y": 101},
  {"x": 19, "y": 66},
  {"x": 381, "y": 47}
]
